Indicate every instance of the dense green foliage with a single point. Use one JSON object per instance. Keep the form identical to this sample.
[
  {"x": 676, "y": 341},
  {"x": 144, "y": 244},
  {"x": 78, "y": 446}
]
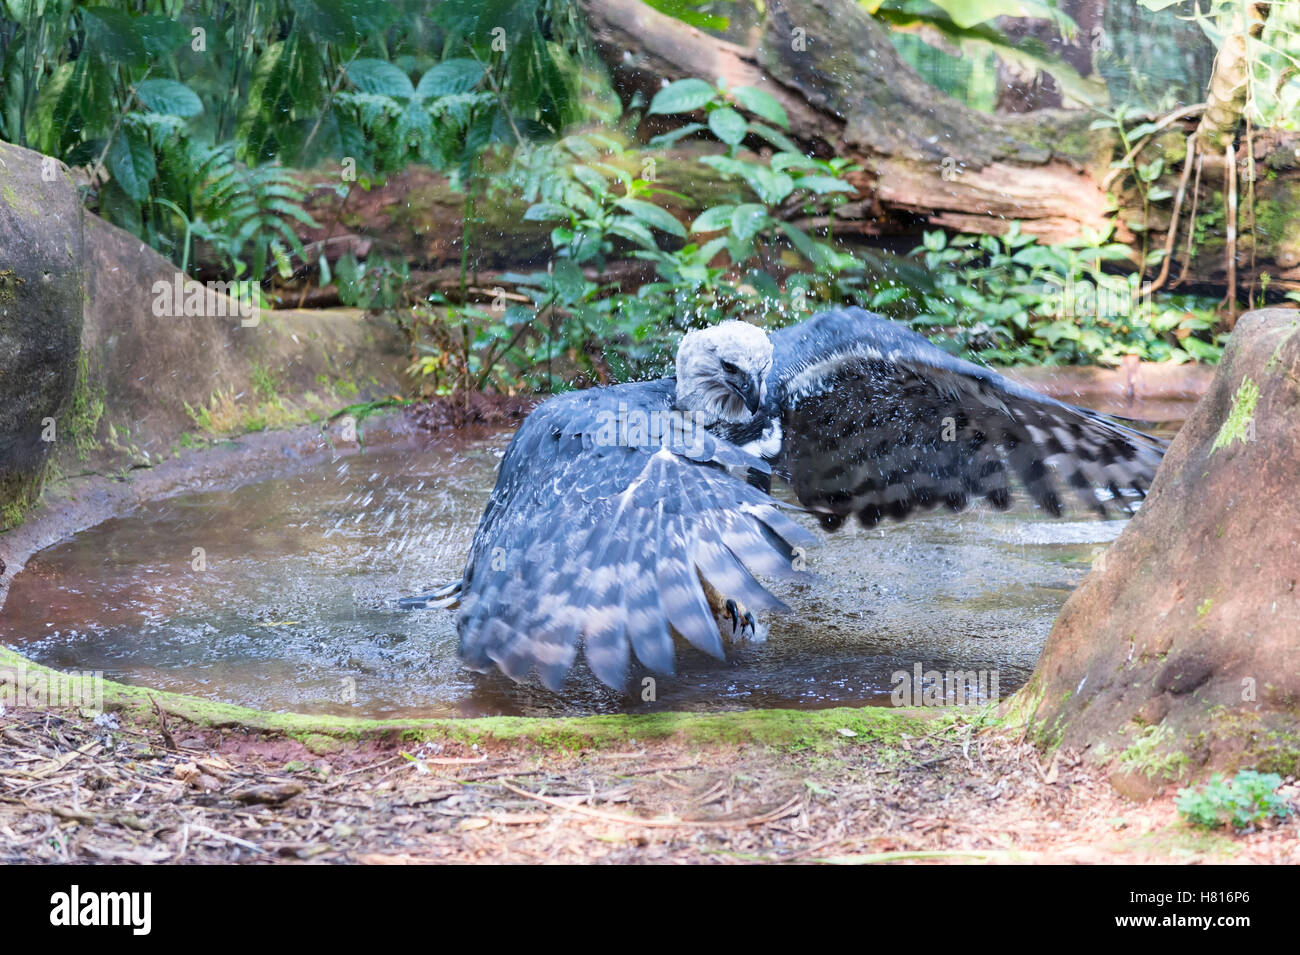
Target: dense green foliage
[
  {"x": 1012, "y": 300},
  {"x": 1002, "y": 299},
  {"x": 1242, "y": 802},
  {"x": 173, "y": 105},
  {"x": 186, "y": 118},
  {"x": 737, "y": 258},
  {"x": 1273, "y": 99}
]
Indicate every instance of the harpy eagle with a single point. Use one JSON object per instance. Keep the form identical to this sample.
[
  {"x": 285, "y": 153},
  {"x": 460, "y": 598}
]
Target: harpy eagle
[{"x": 626, "y": 514}]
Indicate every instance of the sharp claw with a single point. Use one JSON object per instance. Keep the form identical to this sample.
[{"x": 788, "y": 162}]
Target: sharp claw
[
  {"x": 751, "y": 623},
  {"x": 735, "y": 615}
]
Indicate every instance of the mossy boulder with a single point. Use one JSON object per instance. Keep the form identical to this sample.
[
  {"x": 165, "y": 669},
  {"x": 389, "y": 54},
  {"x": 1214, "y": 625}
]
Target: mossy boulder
[
  {"x": 41, "y": 296},
  {"x": 163, "y": 376},
  {"x": 1180, "y": 653}
]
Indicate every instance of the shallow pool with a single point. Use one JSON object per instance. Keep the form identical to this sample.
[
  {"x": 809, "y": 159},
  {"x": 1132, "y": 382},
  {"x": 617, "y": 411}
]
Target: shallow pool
[{"x": 280, "y": 594}]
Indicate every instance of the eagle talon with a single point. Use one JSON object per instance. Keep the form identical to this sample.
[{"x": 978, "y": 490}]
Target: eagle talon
[
  {"x": 733, "y": 609},
  {"x": 743, "y": 623}
]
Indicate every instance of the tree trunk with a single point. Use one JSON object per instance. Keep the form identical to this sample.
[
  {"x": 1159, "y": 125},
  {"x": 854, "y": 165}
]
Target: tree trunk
[
  {"x": 848, "y": 92},
  {"x": 1179, "y": 654},
  {"x": 1230, "y": 83}
]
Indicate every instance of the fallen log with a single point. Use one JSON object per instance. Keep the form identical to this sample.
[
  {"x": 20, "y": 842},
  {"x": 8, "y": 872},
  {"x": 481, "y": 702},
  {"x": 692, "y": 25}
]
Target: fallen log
[{"x": 931, "y": 160}]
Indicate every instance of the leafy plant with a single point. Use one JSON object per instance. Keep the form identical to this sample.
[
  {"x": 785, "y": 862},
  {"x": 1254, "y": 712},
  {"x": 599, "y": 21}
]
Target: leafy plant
[
  {"x": 1244, "y": 801},
  {"x": 1273, "y": 98},
  {"x": 139, "y": 93},
  {"x": 244, "y": 213},
  {"x": 1011, "y": 300},
  {"x": 784, "y": 182},
  {"x": 376, "y": 283},
  {"x": 604, "y": 202},
  {"x": 1145, "y": 176}
]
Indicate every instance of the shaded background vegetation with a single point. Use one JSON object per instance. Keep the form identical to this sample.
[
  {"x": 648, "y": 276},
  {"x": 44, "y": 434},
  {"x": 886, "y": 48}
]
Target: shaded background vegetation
[{"x": 211, "y": 130}]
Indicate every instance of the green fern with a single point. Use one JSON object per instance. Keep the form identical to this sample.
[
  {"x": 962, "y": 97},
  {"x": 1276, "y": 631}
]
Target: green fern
[{"x": 246, "y": 212}]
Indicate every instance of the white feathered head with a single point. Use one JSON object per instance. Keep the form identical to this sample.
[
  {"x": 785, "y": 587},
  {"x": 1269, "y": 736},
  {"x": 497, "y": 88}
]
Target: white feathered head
[{"x": 722, "y": 372}]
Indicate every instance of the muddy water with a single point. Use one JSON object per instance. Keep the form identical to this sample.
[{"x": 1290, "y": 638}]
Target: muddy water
[{"x": 280, "y": 595}]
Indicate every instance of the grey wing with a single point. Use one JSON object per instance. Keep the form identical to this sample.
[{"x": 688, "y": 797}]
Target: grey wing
[
  {"x": 877, "y": 421},
  {"x": 604, "y": 545}
]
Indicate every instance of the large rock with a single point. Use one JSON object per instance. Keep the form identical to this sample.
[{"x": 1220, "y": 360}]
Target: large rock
[
  {"x": 88, "y": 340},
  {"x": 160, "y": 374},
  {"x": 1180, "y": 652},
  {"x": 40, "y": 316}
]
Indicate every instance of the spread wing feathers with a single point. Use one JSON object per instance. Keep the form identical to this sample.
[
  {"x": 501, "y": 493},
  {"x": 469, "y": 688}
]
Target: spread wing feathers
[
  {"x": 878, "y": 422},
  {"x": 603, "y": 544}
]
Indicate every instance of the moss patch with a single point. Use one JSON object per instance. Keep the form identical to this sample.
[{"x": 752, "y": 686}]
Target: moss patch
[
  {"x": 1150, "y": 755},
  {"x": 18, "y": 495},
  {"x": 1180, "y": 840},
  {"x": 817, "y": 730},
  {"x": 1240, "y": 423},
  {"x": 81, "y": 420}
]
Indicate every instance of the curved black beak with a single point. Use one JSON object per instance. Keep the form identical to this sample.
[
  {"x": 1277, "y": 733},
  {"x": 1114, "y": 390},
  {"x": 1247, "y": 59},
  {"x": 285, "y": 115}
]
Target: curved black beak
[{"x": 750, "y": 391}]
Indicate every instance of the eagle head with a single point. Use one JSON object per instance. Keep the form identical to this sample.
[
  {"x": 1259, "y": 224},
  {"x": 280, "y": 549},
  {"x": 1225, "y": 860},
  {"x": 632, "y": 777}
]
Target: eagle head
[{"x": 722, "y": 372}]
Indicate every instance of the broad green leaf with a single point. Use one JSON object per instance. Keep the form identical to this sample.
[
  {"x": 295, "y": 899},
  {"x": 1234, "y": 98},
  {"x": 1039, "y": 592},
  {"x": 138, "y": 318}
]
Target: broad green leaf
[
  {"x": 168, "y": 97},
  {"x": 630, "y": 228},
  {"x": 713, "y": 219},
  {"x": 652, "y": 215},
  {"x": 57, "y": 101},
  {"x": 761, "y": 104},
  {"x": 545, "y": 212},
  {"x": 687, "y": 11},
  {"x": 728, "y": 166},
  {"x": 381, "y": 78},
  {"x": 770, "y": 186},
  {"x": 668, "y": 138},
  {"x": 705, "y": 253},
  {"x": 967, "y": 13},
  {"x": 112, "y": 35},
  {"x": 161, "y": 36},
  {"x": 449, "y": 77},
  {"x": 777, "y": 139},
  {"x": 682, "y": 96},
  {"x": 580, "y": 147},
  {"x": 568, "y": 281},
  {"x": 728, "y": 125},
  {"x": 131, "y": 161},
  {"x": 1028, "y": 53},
  {"x": 270, "y": 94},
  {"x": 739, "y": 250},
  {"x": 784, "y": 160},
  {"x": 592, "y": 179},
  {"x": 823, "y": 184},
  {"x": 748, "y": 220}
]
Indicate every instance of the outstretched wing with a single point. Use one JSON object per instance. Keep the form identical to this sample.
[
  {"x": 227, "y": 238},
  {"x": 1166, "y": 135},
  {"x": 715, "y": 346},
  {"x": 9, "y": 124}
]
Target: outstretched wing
[
  {"x": 876, "y": 421},
  {"x": 598, "y": 531}
]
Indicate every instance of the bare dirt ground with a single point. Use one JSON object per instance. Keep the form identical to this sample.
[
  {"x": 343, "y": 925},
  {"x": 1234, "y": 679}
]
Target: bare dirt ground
[{"x": 72, "y": 790}]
